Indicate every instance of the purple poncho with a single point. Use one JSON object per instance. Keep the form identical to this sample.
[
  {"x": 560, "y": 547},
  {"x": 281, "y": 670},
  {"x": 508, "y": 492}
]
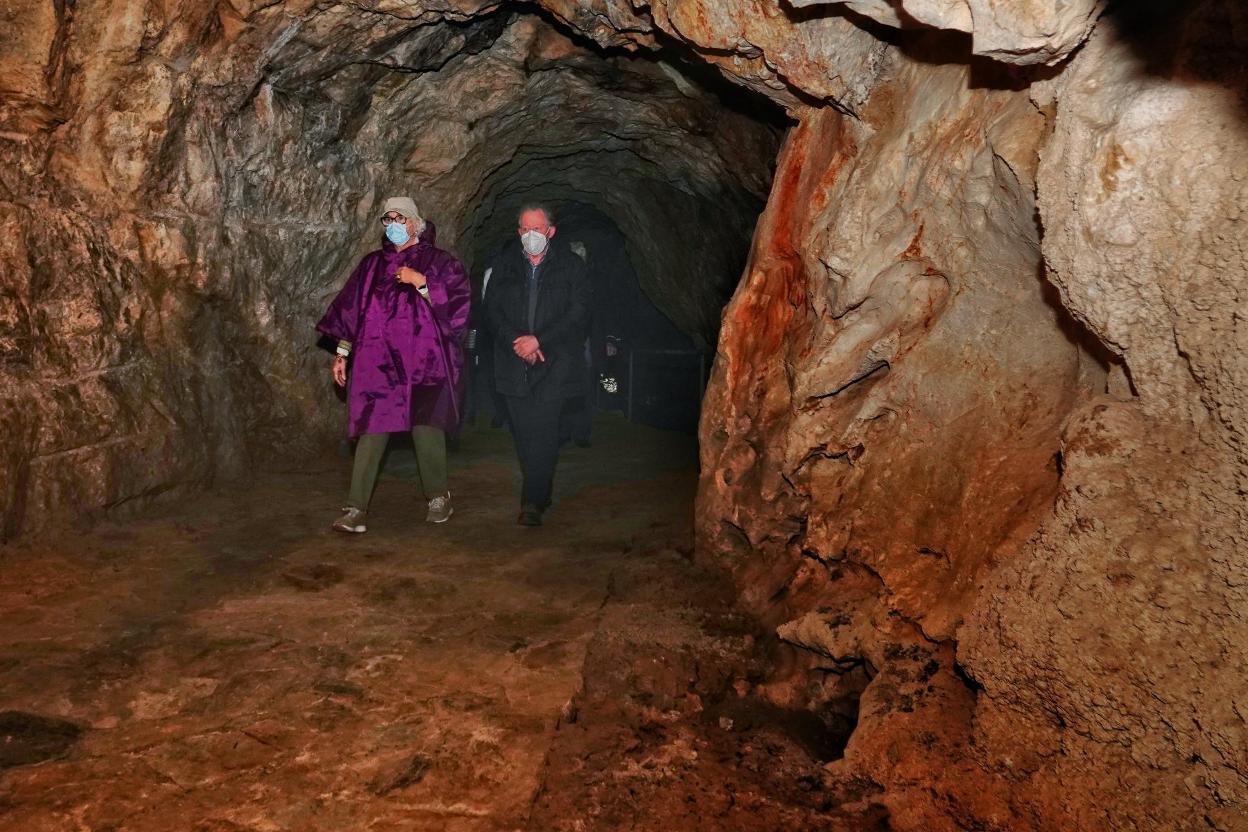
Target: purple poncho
[{"x": 406, "y": 361}]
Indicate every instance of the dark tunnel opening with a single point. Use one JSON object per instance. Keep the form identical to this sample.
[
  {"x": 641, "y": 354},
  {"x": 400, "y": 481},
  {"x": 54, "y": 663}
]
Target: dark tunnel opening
[
  {"x": 655, "y": 168},
  {"x": 638, "y": 157}
]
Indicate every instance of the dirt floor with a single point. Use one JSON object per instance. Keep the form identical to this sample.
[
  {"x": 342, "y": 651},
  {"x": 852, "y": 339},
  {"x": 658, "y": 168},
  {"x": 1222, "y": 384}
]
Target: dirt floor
[{"x": 229, "y": 664}]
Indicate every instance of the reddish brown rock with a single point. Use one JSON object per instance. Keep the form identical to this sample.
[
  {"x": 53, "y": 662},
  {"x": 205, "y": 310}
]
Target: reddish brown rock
[{"x": 893, "y": 336}]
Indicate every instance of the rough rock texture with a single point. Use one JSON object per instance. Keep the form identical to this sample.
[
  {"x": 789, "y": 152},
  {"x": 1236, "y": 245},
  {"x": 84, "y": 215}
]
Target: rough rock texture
[
  {"x": 1010, "y": 31},
  {"x": 894, "y": 330},
  {"x": 1135, "y": 586},
  {"x": 892, "y": 384},
  {"x": 922, "y": 438},
  {"x": 183, "y": 187},
  {"x": 756, "y": 43}
]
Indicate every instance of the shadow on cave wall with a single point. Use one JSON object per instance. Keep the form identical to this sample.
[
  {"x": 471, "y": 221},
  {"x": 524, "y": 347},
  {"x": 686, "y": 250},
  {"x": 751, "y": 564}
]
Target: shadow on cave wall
[{"x": 1204, "y": 42}]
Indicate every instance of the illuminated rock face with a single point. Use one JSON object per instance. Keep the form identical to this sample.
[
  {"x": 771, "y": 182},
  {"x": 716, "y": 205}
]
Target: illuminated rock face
[
  {"x": 975, "y": 434},
  {"x": 980, "y": 396}
]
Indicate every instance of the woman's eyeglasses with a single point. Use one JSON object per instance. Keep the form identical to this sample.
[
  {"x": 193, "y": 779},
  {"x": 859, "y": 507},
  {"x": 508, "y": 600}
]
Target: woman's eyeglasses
[{"x": 386, "y": 220}]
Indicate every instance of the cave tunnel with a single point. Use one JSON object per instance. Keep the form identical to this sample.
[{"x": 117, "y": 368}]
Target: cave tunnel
[{"x": 910, "y": 344}]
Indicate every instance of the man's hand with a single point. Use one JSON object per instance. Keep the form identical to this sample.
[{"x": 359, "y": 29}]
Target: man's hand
[
  {"x": 411, "y": 277},
  {"x": 340, "y": 370},
  {"x": 534, "y": 358},
  {"x": 526, "y": 347}
]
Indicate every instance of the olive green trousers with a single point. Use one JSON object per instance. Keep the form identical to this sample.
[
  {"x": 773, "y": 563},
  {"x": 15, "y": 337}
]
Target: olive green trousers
[{"x": 370, "y": 448}]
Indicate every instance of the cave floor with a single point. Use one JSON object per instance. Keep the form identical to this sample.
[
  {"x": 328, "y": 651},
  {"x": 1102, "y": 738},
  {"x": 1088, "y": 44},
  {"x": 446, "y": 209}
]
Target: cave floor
[{"x": 228, "y": 663}]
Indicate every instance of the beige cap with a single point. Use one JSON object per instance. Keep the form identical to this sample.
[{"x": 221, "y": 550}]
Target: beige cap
[{"x": 404, "y": 205}]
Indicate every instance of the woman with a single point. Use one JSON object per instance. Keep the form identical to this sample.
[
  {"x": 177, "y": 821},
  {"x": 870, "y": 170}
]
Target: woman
[{"x": 400, "y": 318}]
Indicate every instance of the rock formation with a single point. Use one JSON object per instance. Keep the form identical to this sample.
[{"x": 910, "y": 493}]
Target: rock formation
[
  {"x": 975, "y": 440},
  {"x": 977, "y": 397}
]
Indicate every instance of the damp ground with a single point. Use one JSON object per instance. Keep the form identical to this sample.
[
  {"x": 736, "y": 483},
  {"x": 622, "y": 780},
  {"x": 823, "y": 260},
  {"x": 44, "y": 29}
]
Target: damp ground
[{"x": 228, "y": 664}]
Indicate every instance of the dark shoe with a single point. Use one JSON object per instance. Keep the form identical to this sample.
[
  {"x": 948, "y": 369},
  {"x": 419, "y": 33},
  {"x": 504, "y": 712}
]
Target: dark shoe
[{"x": 530, "y": 516}]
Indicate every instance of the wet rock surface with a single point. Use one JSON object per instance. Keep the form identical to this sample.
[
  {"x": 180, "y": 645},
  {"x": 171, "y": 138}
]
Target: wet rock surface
[{"x": 232, "y": 661}]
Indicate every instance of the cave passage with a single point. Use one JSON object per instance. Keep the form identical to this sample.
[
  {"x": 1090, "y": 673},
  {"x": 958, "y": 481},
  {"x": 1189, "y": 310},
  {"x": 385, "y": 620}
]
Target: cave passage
[
  {"x": 227, "y": 660},
  {"x": 913, "y": 494}
]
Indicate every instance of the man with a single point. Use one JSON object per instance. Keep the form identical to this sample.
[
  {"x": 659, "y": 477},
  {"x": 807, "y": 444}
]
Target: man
[
  {"x": 538, "y": 315},
  {"x": 400, "y": 318}
]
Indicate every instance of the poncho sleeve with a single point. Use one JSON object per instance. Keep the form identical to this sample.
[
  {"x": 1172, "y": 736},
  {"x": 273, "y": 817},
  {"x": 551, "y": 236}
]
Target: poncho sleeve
[
  {"x": 341, "y": 320},
  {"x": 450, "y": 297}
]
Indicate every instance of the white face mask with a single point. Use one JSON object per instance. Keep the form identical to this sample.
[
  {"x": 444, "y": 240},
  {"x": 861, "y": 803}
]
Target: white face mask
[{"x": 534, "y": 242}]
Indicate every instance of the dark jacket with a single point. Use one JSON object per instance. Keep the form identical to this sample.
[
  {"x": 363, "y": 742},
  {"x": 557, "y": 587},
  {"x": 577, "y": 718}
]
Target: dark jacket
[{"x": 561, "y": 322}]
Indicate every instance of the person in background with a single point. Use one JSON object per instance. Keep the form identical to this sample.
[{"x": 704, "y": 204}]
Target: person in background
[
  {"x": 607, "y": 311},
  {"x": 538, "y": 313},
  {"x": 399, "y": 320},
  {"x": 577, "y": 420},
  {"x": 482, "y": 396}
]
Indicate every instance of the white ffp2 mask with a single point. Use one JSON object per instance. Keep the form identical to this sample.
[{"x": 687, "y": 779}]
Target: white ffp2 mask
[{"x": 534, "y": 242}]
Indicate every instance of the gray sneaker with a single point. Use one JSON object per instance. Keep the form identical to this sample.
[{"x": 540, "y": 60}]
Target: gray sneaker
[
  {"x": 352, "y": 522},
  {"x": 440, "y": 509}
]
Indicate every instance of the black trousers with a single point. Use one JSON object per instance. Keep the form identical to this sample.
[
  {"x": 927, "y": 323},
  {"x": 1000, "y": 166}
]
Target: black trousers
[
  {"x": 577, "y": 419},
  {"x": 535, "y": 428}
]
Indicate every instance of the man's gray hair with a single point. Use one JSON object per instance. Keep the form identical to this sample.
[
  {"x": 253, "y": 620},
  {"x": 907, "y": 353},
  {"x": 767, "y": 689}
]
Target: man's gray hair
[{"x": 538, "y": 206}]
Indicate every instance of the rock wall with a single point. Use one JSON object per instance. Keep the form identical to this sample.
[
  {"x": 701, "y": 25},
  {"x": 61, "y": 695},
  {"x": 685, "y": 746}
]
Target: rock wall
[
  {"x": 885, "y": 418},
  {"x": 1122, "y": 663},
  {"x": 974, "y": 440}
]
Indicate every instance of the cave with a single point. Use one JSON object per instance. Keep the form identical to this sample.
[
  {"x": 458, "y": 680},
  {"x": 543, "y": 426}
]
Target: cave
[{"x": 916, "y": 492}]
